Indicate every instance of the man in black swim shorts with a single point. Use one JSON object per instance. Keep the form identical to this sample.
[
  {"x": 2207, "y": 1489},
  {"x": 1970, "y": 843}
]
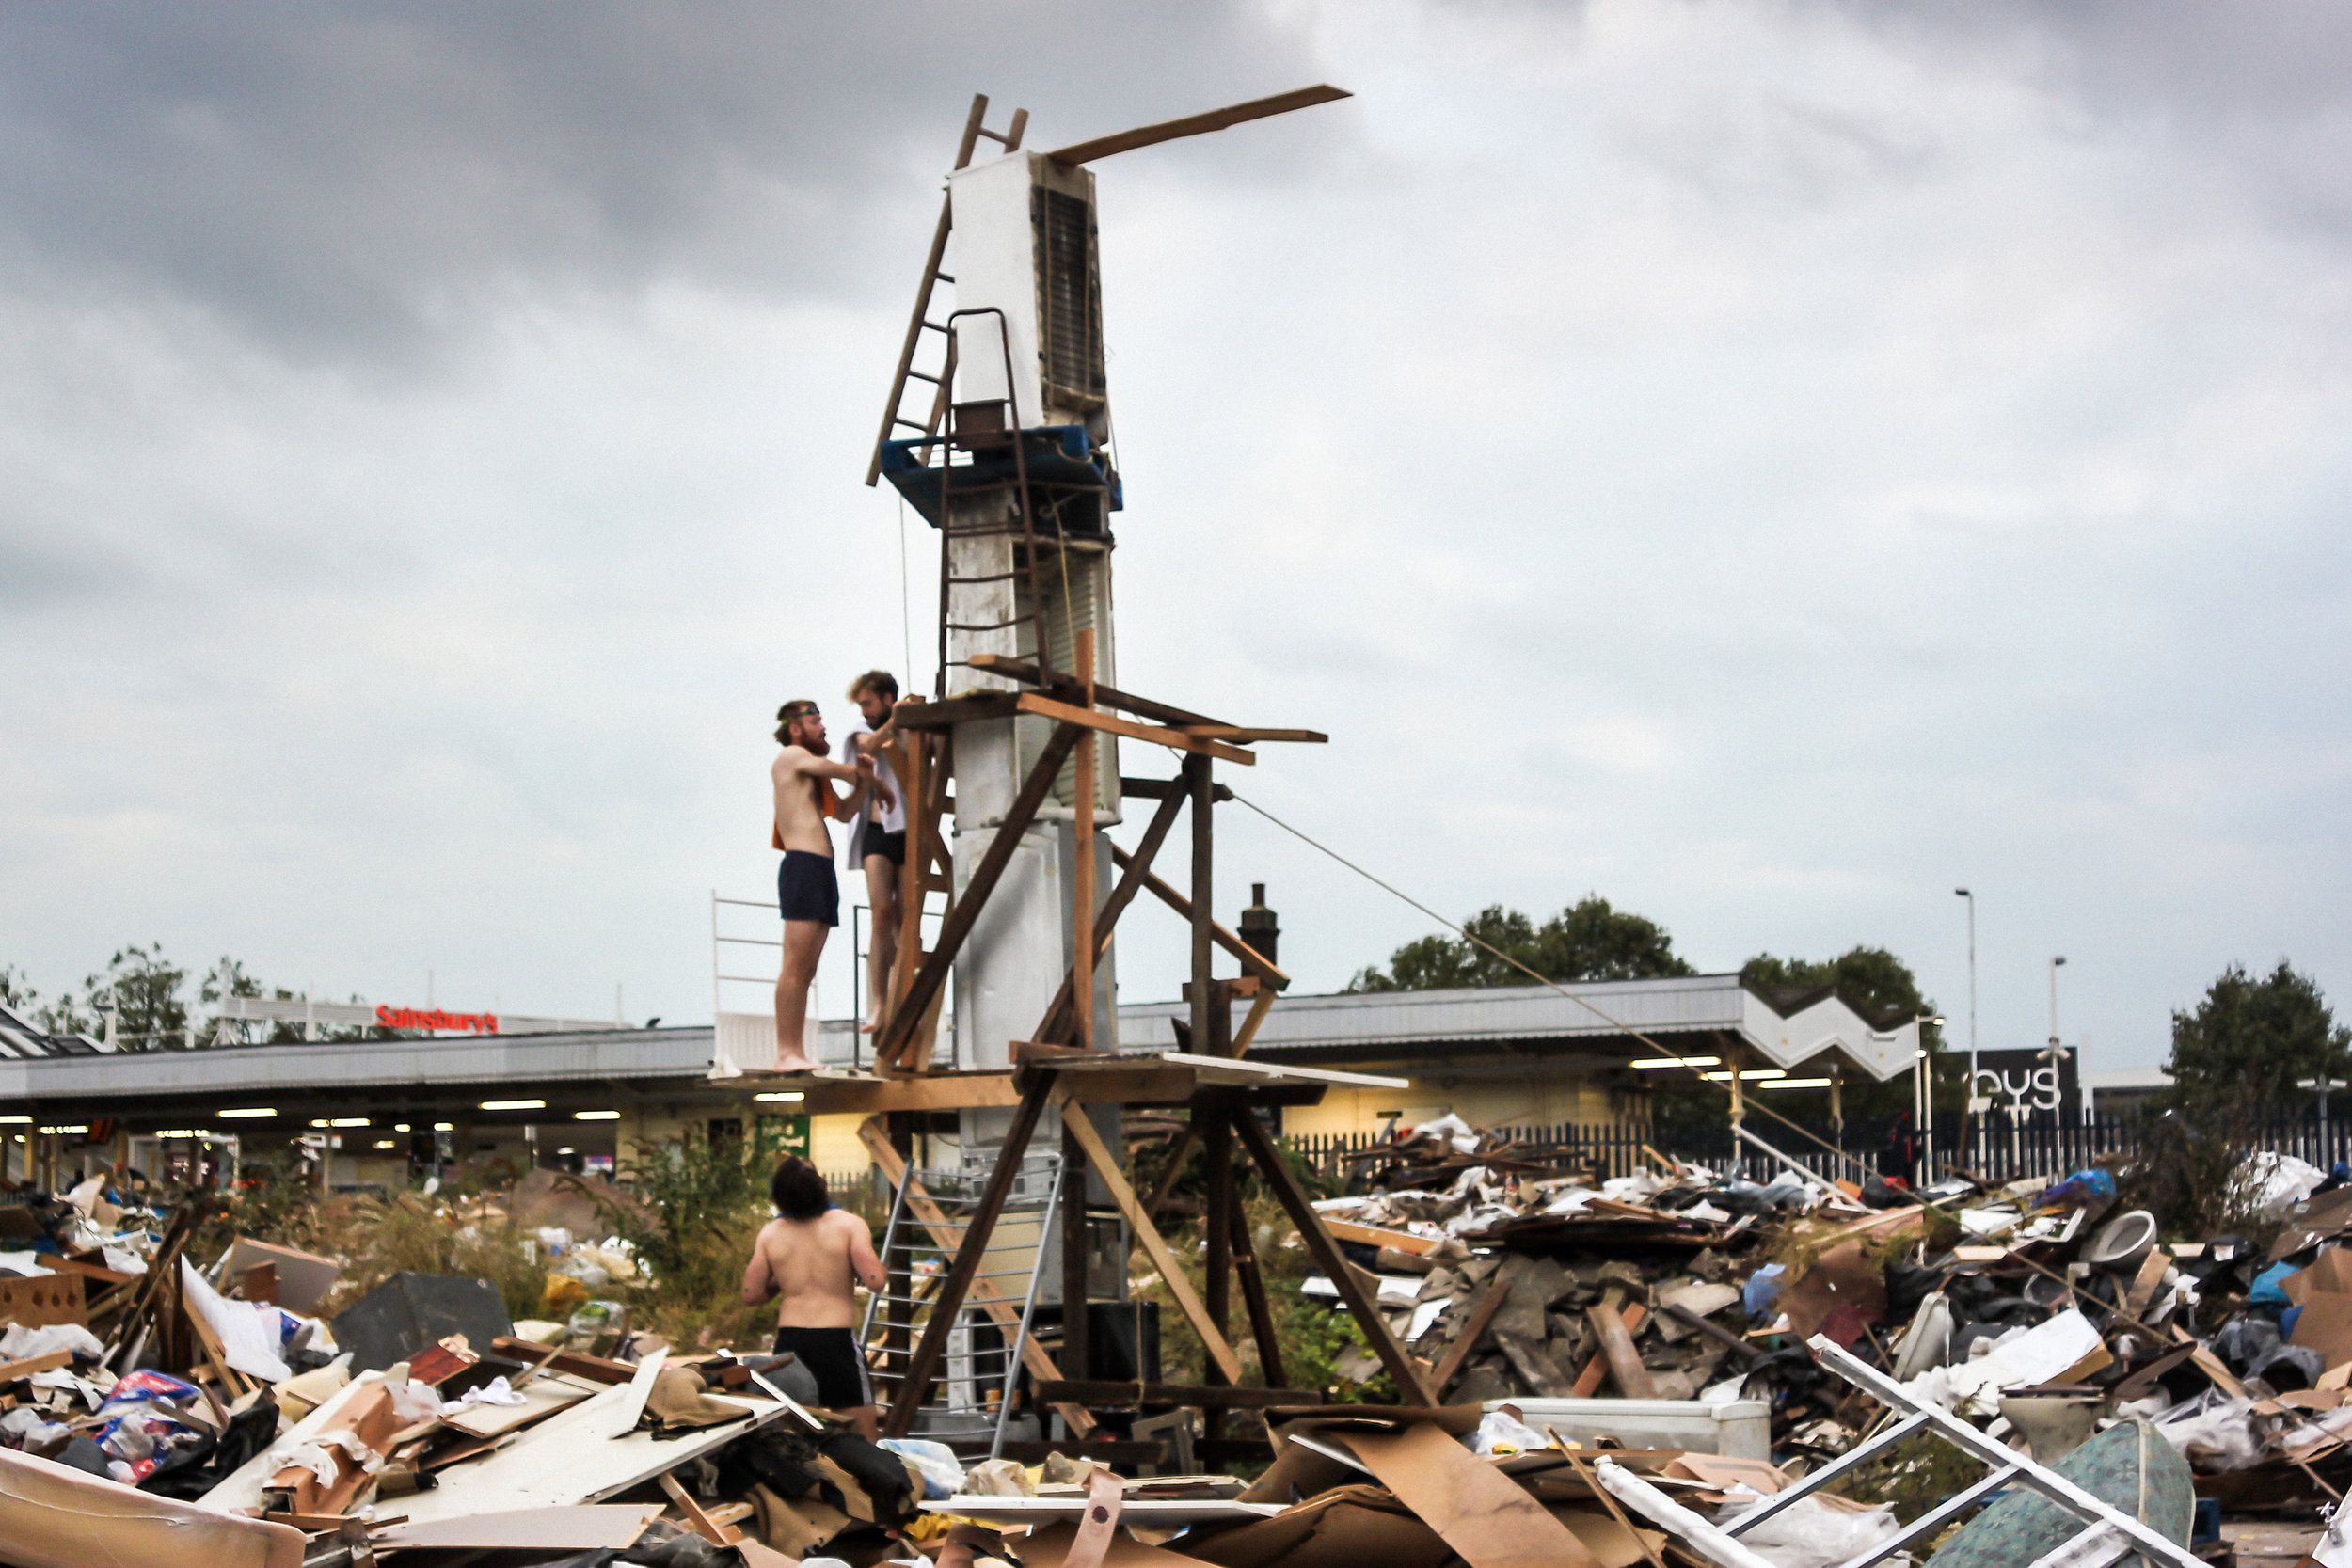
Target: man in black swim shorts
[
  {"x": 807, "y": 894},
  {"x": 812, "y": 1255}
]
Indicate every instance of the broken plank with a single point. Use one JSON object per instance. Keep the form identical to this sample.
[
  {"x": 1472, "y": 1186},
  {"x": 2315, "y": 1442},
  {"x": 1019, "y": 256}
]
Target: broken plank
[{"x": 1596, "y": 1366}]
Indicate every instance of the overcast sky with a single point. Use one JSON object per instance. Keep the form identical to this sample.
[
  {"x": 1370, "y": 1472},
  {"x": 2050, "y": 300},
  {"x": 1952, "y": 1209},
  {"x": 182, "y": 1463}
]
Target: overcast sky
[{"x": 1766, "y": 463}]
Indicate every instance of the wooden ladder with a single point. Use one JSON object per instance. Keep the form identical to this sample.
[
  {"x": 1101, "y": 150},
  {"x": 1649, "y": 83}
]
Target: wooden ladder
[{"x": 894, "y": 413}]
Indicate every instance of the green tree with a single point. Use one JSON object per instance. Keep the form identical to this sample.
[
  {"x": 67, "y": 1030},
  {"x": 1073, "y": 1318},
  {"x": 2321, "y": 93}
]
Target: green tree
[
  {"x": 141, "y": 988},
  {"x": 2251, "y": 1040},
  {"x": 17, "y": 994},
  {"x": 1870, "y": 980},
  {"x": 1587, "y": 940}
]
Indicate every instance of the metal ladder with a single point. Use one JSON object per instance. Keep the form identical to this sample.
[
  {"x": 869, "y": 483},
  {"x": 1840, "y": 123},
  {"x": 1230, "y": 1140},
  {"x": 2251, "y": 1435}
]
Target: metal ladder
[
  {"x": 973, "y": 1395},
  {"x": 2107, "y": 1534},
  {"x": 894, "y": 413}
]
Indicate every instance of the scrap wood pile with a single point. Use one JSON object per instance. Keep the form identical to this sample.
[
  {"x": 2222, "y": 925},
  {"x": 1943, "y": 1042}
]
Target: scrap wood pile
[{"x": 150, "y": 1405}]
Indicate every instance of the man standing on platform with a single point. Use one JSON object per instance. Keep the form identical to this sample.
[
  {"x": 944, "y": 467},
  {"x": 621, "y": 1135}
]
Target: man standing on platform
[
  {"x": 877, "y": 833},
  {"x": 808, "y": 895}
]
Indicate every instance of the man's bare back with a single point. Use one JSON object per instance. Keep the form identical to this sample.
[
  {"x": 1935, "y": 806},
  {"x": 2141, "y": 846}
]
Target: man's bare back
[{"x": 812, "y": 1265}]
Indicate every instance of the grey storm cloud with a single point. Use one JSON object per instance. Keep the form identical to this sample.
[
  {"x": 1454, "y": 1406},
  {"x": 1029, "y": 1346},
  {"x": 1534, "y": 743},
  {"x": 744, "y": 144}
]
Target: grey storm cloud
[{"x": 357, "y": 179}]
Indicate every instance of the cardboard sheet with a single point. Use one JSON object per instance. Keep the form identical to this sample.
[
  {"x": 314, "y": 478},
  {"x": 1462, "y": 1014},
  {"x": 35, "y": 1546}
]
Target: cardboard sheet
[
  {"x": 2329, "y": 1272},
  {"x": 303, "y": 1277},
  {"x": 1839, "y": 1277},
  {"x": 2326, "y": 1325},
  {"x": 55, "y": 1516},
  {"x": 1348, "y": 1526},
  {"x": 1483, "y": 1514},
  {"x": 1047, "y": 1547}
]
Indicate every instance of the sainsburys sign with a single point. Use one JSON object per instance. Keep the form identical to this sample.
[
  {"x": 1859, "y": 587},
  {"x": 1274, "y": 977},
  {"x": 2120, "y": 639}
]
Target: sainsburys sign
[{"x": 412, "y": 1018}]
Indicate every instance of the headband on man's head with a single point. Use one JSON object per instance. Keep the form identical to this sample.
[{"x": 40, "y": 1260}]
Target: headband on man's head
[{"x": 798, "y": 708}]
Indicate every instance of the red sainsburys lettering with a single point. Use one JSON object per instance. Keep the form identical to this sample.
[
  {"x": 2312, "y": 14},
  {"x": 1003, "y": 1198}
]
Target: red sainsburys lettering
[{"x": 412, "y": 1018}]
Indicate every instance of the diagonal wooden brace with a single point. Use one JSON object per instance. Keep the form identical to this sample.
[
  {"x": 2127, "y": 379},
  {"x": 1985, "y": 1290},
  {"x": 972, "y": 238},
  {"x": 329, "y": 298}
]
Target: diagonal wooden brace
[
  {"x": 985, "y": 876},
  {"x": 1410, "y": 1384}
]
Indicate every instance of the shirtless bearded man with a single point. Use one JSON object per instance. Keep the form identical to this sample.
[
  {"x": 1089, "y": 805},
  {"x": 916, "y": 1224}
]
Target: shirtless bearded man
[
  {"x": 811, "y": 1256},
  {"x": 807, "y": 894}
]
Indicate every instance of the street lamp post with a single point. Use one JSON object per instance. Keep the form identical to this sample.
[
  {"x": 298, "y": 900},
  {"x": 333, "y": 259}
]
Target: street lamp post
[{"x": 1969, "y": 1107}]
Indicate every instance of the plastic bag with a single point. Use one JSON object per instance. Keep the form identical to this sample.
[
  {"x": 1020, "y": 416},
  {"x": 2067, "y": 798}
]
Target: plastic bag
[
  {"x": 1454, "y": 1130},
  {"x": 2270, "y": 1183},
  {"x": 1811, "y": 1533},
  {"x": 1500, "y": 1432},
  {"x": 995, "y": 1478},
  {"x": 934, "y": 1462}
]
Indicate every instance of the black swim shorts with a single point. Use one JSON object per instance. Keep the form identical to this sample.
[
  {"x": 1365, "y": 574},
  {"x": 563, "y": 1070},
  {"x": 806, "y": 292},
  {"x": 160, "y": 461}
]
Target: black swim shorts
[
  {"x": 890, "y": 847},
  {"x": 807, "y": 888},
  {"x": 832, "y": 1354}
]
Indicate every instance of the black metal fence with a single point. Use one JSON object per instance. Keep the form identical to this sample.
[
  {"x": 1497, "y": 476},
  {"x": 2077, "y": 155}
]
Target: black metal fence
[{"x": 1999, "y": 1149}]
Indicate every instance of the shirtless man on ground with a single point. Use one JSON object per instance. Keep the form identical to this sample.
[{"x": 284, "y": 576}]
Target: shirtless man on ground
[
  {"x": 807, "y": 893},
  {"x": 810, "y": 1257}
]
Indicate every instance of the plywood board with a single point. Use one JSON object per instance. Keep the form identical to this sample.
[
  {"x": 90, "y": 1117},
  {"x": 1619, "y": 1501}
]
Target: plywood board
[
  {"x": 542, "y": 1399},
  {"x": 584, "y": 1529},
  {"x": 1486, "y": 1517},
  {"x": 303, "y": 1277}
]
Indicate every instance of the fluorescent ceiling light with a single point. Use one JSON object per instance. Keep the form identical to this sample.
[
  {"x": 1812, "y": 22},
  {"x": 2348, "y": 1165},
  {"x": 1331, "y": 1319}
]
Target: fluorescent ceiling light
[
  {"x": 247, "y": 1111},
  {"x": 386, "y": 1143},
  {"x": 786, "y": 1095},
  {"x": 445, "y": 1126},
  {"x": 183, "y": 1132},
  {"x": 595, "y": 1116},
  {"x": 1677, "y": 1061},
  {"x": 84, "y": 1127},
  {"x": 1798, "y": 1084},
  {"x": 1746, "y": 1073},
  {"x": 16, "y": 1122},
  {"x": 514, "y": 1104},
  {"x": 348, "y": 1121}
]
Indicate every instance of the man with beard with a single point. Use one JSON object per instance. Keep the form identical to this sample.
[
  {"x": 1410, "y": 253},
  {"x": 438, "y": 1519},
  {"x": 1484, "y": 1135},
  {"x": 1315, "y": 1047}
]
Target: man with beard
[{"x": 808, "y": 895}]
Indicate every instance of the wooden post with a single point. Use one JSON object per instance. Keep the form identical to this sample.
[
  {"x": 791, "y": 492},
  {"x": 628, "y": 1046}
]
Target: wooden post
[
  {"x": 977, "y": 1229},
  {"x": 1253, "y": 1292},
  {"x": 1074, "y": 1249},
  {"x": 1203, "y": 791},
  {"x": 1082, "y": 877},
  {"x": 1216, "y": 1147}
]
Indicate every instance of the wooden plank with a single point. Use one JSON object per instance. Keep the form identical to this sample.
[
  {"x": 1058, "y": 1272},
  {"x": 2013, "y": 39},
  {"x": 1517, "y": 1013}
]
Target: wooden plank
[
  {"x": 1104, "y": 696},
  {"x": 1260, "y": 1006},
  {"x": 1375, "y": 1235},
  {"x": 1046, "y": 707},
  {"x": 1201, "y": 989},
  {"x": 1074, "y": 1294},
  {"x": 1457, "y": 1355},
  {"x": 1596, "y": 1365},
  {"x": 1196, "y": 125},
  {"x": 952, "y": 711},
  {"x": 696, "y": 1520},
  {"x": 1082, "y": 873},
  {"x": 1160, "y": 789},
  {"x": 923, "y": 1367},
  {"x": 946, "y": 1234},
  {"x": 1244, "y": 735},
  {"x": 596, "y": 1368},
  {"x": 932, "y": 975},
  {"x": 1250, "y": 957},
  {"x": 1128, "y": 1396},
  {"x": 1625, "y": 1362},
  {"x": 1188, "y": 1301},
  {"x": 26, "y": 1367},
  {"x": 1487, "y": 1518},
  {"x": 1411, "y": 1386}
]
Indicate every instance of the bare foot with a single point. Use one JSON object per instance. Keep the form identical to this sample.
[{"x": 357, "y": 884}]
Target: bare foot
[
  {"x": 793, "y": 1064},
  {"x": 869, "y": 1027}
]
